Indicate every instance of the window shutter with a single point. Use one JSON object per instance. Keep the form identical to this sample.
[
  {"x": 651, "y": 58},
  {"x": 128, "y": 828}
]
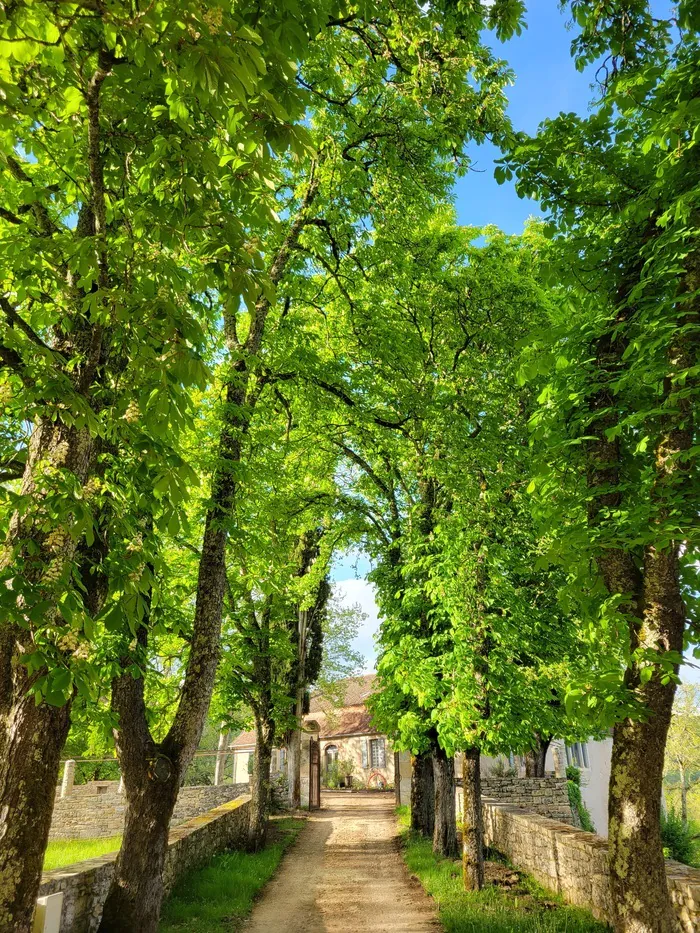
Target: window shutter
[
  {"x": 365, "y": 756},
  {"x": 382, "y": 753}
]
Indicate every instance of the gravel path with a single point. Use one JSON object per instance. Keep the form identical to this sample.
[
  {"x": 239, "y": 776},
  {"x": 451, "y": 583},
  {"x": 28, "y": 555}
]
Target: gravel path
[{"x": 345, "y": 875}]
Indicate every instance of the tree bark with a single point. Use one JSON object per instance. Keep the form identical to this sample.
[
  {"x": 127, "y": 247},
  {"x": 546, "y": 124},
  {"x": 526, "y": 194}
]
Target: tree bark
[
  {"x": 221, "y": 755},
  {"x": 684, "y": 793},
  {"x": 294, "y": 752},
  {"x": 134, "y": 904},
  {"x": 28, "y": 776},
  {"x": 445, "y": 831},
  {"x": 260, "y": 785},
  {"x": 423, "y": 795},
  {"x": 152, "y": 775},
  {"x": 655, "y": 615},
  {"x": 536, "y": 757},
  {"x": 473, "y": 825}
]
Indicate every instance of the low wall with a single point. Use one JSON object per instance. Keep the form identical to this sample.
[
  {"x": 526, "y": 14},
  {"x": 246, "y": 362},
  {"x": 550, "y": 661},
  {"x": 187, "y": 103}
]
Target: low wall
[
  {"x": 574, "y": 863},
  {"x": 97, "y": 810},
  {"x": 85, "y": 885},
  {"x": 545, "y": 796}
]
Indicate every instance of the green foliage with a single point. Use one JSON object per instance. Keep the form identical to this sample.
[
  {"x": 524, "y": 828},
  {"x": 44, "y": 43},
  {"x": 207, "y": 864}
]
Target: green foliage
[
  {"x": 528, "y": 909},
  {"x": 225, "y": 890},
  {"x": 680, "y": 839},
  {"x": 576, "y": 802}
]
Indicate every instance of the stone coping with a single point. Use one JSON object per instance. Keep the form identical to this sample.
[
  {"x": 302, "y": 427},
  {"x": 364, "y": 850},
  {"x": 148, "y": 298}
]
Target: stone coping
[{"x": 88, "y": 865}]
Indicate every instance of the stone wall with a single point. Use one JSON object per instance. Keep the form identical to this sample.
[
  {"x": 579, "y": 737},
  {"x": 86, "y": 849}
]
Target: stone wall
[
  {"x": 574, "y": 863},
  {"x": 97, "y": 810},
  {"x": 545, "y": 796},
  {"x": 85, "y": 885}
]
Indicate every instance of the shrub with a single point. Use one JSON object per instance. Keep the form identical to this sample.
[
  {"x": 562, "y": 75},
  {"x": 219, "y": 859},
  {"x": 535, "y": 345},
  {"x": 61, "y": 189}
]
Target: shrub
[
  {"x": 679, "y": 838},
  {"x": 500, "y": 769},
  {"x": 578, "y": 807}
]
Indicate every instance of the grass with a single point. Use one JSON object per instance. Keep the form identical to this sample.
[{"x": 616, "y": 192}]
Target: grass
[
  {"x": 211, "y": 899},
  {"x": 62, "y": 852},
  {"x": 512, "y": 903}
]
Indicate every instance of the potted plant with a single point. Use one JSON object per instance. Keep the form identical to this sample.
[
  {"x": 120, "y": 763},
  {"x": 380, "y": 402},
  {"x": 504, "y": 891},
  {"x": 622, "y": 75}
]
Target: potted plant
[{"x": 346, "y": 767}]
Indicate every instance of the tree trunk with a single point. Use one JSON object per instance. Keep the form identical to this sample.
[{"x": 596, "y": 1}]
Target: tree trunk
[
  {"x": 423, "y": 795},
  {"x": 684, "y": 794},
  {"x": 221, "y": 755},
  {"x": 445, "y": 831},
  {"x": 473, "y": 825},
  {"x": 637, "y": 870},
  {"x": 536, "y": 757},
  {"x": 260, "y": 786},
  {"x": 134, "y": 902},
  {"x": 28, "y": 777},
  {"x": 294, "y": 753},
  {"x": 655, "y": 615}
]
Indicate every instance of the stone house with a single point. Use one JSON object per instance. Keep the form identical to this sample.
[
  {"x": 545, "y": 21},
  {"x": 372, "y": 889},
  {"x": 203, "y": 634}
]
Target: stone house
[{"x": 346, "y": 734}]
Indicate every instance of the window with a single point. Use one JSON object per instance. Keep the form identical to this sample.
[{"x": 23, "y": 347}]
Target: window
[
  {"x": 577, "y": 754},
  {"x": 282, "y": 757},
  {"x": 330, "y": 754},
  {"x": 377, "y": 753}
]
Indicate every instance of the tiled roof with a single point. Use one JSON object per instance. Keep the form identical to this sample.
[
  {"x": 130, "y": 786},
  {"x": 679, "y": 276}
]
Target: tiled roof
[
  {"x": 355, "y": 721},
  {"x": 356, "y": 692},
  {"x": 244, "y": 740}
]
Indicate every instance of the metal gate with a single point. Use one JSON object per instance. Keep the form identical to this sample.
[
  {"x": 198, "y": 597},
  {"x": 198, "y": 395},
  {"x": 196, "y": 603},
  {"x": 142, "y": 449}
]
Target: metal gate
[{"x": 314, "y": 774}]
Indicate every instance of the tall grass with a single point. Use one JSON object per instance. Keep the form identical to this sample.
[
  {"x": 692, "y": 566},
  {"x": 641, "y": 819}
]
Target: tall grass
[
  {"x": 520, "y": 907},
  {"x": 210, "y": 899},
  {"x": 63, "y": 852}
]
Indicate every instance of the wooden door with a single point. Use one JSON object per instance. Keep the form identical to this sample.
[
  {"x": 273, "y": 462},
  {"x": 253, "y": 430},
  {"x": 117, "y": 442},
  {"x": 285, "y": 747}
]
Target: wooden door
[{"x": 314, "y": 774}]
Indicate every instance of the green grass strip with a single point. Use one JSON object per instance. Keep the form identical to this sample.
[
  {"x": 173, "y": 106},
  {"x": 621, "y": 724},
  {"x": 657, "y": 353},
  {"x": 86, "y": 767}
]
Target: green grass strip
[
  {"x": 224, "y": 891},
  {"x": 521, "y": 906},
  {"x": 62, "y": 852}
]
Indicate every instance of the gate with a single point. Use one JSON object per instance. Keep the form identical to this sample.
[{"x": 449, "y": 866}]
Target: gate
[{"x": 314, "y": 774}]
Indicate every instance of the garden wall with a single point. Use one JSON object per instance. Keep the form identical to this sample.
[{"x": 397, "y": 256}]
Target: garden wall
[
  {"x": 97, "y": 810},
  {"x": 546, "y": 796},
  {"x": 85, "y": 885},
  {"x": 574, "y": 863}
]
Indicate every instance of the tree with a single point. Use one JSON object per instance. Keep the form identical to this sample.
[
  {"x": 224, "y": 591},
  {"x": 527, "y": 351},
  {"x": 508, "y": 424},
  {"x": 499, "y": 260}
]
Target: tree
[
  {"x": 683, "y": 745},
  {"x": 619, "y": 386}
]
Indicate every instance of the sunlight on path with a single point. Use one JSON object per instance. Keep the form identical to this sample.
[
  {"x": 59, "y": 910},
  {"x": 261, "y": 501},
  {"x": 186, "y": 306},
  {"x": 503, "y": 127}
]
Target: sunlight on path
[{"x": 345, "y": 874}]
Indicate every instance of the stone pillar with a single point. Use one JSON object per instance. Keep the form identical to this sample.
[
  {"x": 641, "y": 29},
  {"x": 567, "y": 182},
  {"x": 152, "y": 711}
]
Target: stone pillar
[
  {"x": 68, "y": 778},
  {"x": 559, "y": 759}
]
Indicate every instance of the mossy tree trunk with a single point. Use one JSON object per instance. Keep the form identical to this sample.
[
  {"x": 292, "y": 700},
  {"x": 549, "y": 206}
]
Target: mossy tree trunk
[
  {"x": 423, "y": 795},
  {"x": 473, "y": 823},
  {"x": 445, "y": 831}
]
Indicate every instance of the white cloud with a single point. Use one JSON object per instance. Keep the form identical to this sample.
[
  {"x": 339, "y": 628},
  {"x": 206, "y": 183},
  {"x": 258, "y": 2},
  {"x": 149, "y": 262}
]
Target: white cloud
[{"x": 360, "y": 591}]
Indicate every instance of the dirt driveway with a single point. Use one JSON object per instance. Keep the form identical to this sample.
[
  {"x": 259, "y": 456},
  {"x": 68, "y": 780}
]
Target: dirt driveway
[{"x": 345, "y": 875}]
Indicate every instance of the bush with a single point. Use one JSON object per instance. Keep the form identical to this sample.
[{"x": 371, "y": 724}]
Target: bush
[
  {"x": 578, "y": 807},
  {"x": 332, "y": 776},
  {"x": 678, "y": 838},
  {"x": 501, "y": 769}
]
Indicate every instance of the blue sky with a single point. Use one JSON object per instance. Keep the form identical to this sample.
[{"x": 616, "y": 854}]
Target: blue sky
[{"x": 546, "y": 83}]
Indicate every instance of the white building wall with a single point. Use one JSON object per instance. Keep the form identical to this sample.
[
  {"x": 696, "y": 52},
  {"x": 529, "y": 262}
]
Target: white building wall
[
  {"x": 594, "y": 779},
  {"x": 240, "y": 766}
]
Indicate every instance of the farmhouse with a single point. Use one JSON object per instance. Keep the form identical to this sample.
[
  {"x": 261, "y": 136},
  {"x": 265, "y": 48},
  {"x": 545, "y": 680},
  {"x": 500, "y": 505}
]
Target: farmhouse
[{"x": 348, "y": 740}]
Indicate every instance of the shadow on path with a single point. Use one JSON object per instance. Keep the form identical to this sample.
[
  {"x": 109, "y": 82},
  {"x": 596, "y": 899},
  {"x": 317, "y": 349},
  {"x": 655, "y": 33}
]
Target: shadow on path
[{"x": 345, "y": 875}]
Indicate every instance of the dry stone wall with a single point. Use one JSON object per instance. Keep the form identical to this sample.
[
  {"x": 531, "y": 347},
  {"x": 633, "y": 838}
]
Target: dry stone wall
[
  {"x": 574, "y": 863},
  {"x": 85, "y": 885},
  {"x": 545, "y": 796},
  {"x": 97, "y": 810}
]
